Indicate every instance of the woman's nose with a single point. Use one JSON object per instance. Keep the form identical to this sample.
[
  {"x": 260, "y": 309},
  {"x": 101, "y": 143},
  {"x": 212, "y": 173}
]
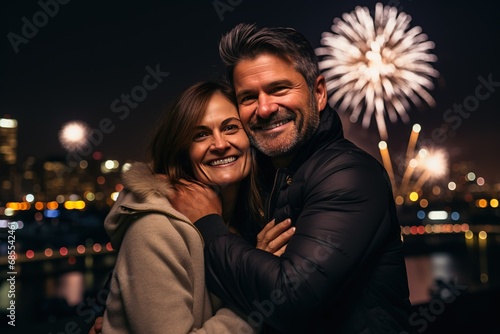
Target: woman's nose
[{"x": 220, "y": 142}]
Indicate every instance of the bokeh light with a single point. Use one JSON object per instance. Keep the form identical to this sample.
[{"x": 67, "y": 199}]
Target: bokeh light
[{"x": 73, "y": 135}]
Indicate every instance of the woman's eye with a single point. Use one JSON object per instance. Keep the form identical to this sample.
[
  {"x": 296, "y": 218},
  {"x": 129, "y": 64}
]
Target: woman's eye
[
  {"x": 200, "y": 135},
  {"x": 231, "y": 128}
]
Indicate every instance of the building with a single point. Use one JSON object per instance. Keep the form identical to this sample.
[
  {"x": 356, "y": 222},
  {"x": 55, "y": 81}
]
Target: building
[
  {"x": 8, "y": 158},
  {"x": 8, "y": 141}
]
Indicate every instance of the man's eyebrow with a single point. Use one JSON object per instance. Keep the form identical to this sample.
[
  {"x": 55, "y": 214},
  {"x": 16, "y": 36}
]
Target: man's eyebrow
[
  {"x": 272, "y": 84},
  {"x": 243, "y": 93},
  {"x": 280, "y": 82}
]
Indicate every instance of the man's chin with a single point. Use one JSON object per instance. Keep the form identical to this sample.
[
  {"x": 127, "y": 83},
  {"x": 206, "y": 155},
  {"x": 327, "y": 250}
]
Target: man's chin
[
  {"x": 278, "y": 151},
  {"x": 279, "y": 147}
]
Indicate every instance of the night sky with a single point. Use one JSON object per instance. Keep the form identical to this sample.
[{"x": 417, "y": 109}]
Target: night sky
[{"x": 90, "y": 53}]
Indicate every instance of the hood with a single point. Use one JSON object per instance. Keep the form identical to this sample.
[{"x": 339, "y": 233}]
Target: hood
[{"x": 143, "y": 192}]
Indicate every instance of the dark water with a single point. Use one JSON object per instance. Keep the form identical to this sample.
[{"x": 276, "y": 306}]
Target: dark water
[
  {"x": 454, "y": 283},
  {"x": 474, "y": 263},
  {"x": 454, "y": 288}
]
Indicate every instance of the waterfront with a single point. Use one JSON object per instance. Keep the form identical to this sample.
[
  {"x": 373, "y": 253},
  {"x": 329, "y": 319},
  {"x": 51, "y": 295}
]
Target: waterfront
[
  {"x": 454, "y": 286},
  {"x": 454, "y": 283}
]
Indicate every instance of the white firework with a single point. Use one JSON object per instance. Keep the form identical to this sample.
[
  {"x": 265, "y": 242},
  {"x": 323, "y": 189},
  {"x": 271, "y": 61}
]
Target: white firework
[
  {"x": 376, "y": 66},
  {"x": 74, "y": 135},
  {"x": 433, "y": 163}
]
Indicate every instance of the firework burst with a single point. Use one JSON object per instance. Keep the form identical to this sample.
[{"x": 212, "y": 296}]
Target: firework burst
[
  {"x": 428, "y": 164},
  {"x": 377, "y": 66},
  {"x": 433, "y": 163},
  {"x": 73, "y": 135}
]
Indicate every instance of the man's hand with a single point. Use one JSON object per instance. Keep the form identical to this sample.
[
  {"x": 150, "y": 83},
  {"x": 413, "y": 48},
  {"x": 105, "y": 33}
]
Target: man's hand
[
  {"x": 97, "y": 328},
  {"x": 195, "y": 201},
  {"x": 274, "y": 238}
]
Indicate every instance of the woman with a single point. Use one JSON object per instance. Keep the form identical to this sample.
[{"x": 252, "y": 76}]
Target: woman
[{"x": 158, "y": 285}]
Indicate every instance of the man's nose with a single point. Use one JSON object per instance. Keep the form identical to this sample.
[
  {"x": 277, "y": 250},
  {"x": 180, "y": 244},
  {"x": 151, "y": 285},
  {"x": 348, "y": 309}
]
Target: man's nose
[{"x": 266, "y": 106}]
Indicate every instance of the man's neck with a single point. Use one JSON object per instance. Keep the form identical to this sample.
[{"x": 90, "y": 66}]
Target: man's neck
[{"x": 282, "y": 162}]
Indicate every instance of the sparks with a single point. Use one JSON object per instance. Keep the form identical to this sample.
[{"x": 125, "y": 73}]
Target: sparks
[
  {"x": 435, "y": 161},
  {"x": 377, "y": 66}
]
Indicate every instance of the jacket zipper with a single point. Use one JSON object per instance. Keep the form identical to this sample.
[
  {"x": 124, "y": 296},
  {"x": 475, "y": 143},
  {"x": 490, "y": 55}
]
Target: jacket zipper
[{"x": 271, "y": 194}]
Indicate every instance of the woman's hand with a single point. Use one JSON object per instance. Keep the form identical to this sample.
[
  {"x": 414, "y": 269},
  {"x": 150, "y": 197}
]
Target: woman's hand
[
  {"x": 194, "y": 200},
  {"x": 274, "y": 238},
  {"x": 97, "y": 327}
]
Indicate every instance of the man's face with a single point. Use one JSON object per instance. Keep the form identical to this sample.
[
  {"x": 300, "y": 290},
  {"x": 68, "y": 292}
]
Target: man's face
[{"x": 276, "y": 106}]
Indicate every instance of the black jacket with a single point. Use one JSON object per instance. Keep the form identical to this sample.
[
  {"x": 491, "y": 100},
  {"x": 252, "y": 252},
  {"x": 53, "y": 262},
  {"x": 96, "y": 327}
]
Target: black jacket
[{"x": 343, "y": 271}]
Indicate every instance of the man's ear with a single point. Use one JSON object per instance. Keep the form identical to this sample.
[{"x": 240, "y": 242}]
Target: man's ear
[{"x": 320, "y": 92}]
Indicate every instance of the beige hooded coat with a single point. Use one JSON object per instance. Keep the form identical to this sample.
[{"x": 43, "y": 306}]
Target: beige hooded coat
[{"x": 158, "y": 283}]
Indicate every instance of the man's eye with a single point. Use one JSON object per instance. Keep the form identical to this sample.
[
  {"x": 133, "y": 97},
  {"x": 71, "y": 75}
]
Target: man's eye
[
  {"x": 279, "y": 89},
  {"x": 247, "y": 100}
]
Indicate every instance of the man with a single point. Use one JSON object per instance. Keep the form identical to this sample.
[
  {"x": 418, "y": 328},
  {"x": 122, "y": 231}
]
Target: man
[{"x": 343, "y": 271}]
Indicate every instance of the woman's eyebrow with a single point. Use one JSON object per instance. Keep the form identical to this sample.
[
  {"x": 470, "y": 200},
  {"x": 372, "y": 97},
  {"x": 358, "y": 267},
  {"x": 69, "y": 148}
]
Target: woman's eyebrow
[
  {"x": 230, "y": 119},
  {"x": 224, "y": 122}
]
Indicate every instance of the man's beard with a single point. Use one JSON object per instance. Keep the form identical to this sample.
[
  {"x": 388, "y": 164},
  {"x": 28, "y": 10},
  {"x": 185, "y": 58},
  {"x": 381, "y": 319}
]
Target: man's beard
[{"x": 296, "y": 139}]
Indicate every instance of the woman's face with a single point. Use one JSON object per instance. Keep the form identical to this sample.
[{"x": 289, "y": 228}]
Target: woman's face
[{"x": 220, "y": 149}]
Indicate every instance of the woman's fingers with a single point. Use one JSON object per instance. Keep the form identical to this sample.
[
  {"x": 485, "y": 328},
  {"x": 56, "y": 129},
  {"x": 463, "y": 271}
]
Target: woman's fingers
[
  {"x": 262, "y": 233},
  {"x": 280, "y": 251},
  {"x": 274, "y": 237},
  {"x": 97, "y": 327},
  {"x": 282, "y": 240}
]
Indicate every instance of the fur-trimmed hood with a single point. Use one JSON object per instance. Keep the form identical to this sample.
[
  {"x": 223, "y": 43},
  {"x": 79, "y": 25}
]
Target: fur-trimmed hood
[
  {"x": 143, "y": 192},
  {"x": 158, "y": 282},
  {"x": 140, "y": 180}
]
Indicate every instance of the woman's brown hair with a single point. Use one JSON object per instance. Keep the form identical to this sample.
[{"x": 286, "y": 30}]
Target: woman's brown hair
[{"x": 169, "y": 147}]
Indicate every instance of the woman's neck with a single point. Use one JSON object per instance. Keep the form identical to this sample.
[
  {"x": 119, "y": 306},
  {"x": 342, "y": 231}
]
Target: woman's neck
[{"x": 228, "y": 195}]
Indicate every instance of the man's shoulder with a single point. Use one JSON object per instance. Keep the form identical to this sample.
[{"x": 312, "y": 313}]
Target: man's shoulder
[
  {"x": 342, "y": 152},
  {"x": 341, "y": 159}
]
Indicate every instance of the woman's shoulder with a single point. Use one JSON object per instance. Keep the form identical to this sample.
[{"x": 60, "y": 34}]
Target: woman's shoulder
[
  {"x": 140, "y": 180},
  {"x": 155, "y": 235}
]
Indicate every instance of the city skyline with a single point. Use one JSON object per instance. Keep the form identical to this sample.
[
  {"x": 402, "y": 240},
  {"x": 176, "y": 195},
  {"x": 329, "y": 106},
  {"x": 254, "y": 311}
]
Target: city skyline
[{"x": 115, "y": 67}]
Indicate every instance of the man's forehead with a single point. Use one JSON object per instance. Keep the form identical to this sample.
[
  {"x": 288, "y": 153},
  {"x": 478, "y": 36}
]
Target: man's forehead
[
  {"x": 266, "y": 54},
  {"x": 264, "y": 67}
]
